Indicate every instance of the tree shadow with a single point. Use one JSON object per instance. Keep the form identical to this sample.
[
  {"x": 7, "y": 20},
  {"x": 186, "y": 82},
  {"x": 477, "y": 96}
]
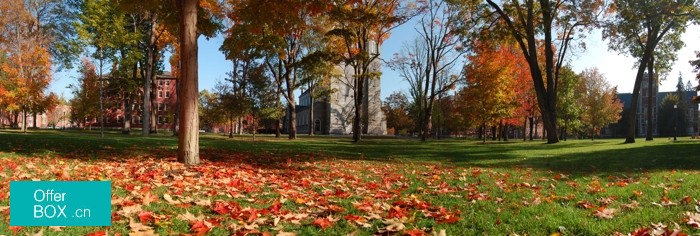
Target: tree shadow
[{"x": 623, "y": 159}]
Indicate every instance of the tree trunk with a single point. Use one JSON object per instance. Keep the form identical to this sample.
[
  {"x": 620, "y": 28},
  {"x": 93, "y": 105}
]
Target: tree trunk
[
  {"x": 34, "y": 120},
  {"x": 230, "y": 123},
  {"x": 650, "y": 102},
  {"x": 632, "y": 112},
  {"x": 176, "y": 113},
  {"x": 188, "y": 140},
  {"x": 24, "y": 121},
  {"x": 292, "y": 119},
  {"x": 505, "y": 132},
  {"x": 146, "y": 124},
  {"x": 493, "y": 133},
  {"x": 359, "y": 101},
  {"x": 532, "y": 127},
  {"x": 255, "y": 128},
  {"x": 127, "y": 115}
]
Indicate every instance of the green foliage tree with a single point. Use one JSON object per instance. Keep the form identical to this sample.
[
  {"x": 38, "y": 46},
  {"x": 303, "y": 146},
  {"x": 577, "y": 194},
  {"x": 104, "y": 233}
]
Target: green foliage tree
[
  {"x": 649, "y": 31},
  {"x": 211, "y": 112},
  {"x": 569, "y": 108},
  {"x": 396, "y": 110},
  {"x": 262, "y": 96}
]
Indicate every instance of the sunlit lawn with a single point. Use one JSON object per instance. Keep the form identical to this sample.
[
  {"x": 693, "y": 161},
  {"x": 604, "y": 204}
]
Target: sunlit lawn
[{"x": 330, "y": 186}]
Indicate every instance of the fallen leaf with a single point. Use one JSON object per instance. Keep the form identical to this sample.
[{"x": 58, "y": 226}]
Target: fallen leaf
[
  {"x": 605, "y": 213},
  {"x": 170, "y": 200},
  {"x": 323, "y": 222}
]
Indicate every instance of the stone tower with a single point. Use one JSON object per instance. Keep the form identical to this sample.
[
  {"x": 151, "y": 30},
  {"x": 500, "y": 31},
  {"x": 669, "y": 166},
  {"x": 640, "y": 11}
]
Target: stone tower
[{"x": 342, "y": 107}]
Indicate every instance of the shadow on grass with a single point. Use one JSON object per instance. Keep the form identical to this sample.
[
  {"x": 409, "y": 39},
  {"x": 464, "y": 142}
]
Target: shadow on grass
[{"x": 581, "y": 157}]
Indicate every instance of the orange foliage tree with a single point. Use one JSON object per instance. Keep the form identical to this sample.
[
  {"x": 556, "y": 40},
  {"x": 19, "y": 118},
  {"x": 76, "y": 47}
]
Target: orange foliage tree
[
  {"x": 27, "y": 72},
  {"x": 497, "y": 88}
]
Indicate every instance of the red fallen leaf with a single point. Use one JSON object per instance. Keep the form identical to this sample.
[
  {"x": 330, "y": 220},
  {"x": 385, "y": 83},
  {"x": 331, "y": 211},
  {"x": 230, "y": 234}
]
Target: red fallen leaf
[
  {"x": 253, "y": 215},
  {"x": 335, "y": 209},
  {"x": 275, "y": 207},
  {"x": 398, "y": 212},
  {"x": 146, "y": 217},
  {"x": 415, "y": 232},
  {"x": 323, "y": 222},
  {"x": 585, "y": 204},
  {"x": 387, "y": 183},
  {"x": 199, "y": 227},
  {"x": 686, "y": 200},
  {"x": 98, "y": 233},
  {"x": 448, "y": 219},
  {"x": 15, "y": 229}
]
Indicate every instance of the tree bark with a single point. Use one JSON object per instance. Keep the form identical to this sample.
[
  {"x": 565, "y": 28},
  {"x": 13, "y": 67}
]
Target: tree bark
[
  {"x": 359, "y": 92},
  {"x": 188, "y": 140},
  {"x": 650, "y": 102},
  {"x": 146, "y": 124}
]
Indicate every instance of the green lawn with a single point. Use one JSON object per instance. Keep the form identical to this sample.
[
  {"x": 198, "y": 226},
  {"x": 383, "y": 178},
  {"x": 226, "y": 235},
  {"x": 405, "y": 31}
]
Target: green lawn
[{"x": 330, "y": 186}]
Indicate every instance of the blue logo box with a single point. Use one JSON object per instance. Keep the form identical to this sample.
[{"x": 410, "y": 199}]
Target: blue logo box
[{"x": 60, "y": 203}]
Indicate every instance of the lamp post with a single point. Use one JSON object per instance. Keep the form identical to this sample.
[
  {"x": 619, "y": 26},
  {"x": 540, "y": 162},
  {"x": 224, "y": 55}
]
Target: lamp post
[{"x": 675, "y": 122}]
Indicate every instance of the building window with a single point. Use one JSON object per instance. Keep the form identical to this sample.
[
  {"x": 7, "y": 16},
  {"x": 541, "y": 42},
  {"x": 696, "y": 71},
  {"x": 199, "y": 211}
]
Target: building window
[
  {"x": 160, "y": 119},
  {"x": 160, "y": 93},
  {"x": 160, "y": 82},
  {"x": 165, "y": 106},
  {"x": 160, "y": 106},
  {"x": 119, "y": 119},
  {"x": 167, "y": 82},
  {"x": 167, "y": 94}
]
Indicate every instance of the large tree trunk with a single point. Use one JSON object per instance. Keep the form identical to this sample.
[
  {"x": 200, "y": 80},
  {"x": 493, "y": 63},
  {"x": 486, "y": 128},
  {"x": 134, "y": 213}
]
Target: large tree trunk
[
  {"x": 146, "y": 124},
  {"x": 176, "y": 113},
  {"x": 650, "y": 101},
  {"x": 359, "y": 101},
  {"x": 188, "y": 140},
  {"x": 24, "y": 121},
  {"x": 632, "y": 112},
  {"x": 34, "y": 120}
]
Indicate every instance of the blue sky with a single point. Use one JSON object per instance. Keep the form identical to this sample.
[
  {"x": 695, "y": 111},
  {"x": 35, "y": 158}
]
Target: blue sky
[{"x": 617, "y": 68}]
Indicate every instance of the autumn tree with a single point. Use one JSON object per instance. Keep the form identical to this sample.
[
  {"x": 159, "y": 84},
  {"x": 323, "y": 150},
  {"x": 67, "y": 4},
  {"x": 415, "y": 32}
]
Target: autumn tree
[
  {"x": 27, "y": 70},
  {"x": 85, "y": 101},
  {"x": 395, "y": 108},
  {"x": 361, "y": 27},
  {"x": 639, "y": 28},
  {"x": 599, "y": 101},
  {"x": 550, "y": 25},
  {"x": 489, "y": 96},
  {"x": 696, "y": 68}
]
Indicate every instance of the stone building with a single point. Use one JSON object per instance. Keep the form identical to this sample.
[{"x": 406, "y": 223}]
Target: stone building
[
  {"x": 334, "y": 114},
  {"x": 657, "y": 98}
]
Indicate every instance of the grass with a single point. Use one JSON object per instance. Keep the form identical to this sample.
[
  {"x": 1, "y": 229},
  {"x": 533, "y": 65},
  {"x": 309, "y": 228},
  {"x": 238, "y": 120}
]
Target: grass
[{"x": 493, "y": 188}]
